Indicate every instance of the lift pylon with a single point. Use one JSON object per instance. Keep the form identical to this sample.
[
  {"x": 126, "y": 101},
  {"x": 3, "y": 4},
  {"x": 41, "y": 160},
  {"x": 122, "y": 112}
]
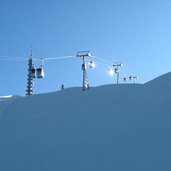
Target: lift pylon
[
  {"x": 116, "y": 68},
  {"x": 30, "y": 83},
  {"x": 83, "y": 55}
]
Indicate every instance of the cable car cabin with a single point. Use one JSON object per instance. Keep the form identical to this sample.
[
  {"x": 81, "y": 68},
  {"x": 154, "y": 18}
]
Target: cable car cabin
[
  {"x": 91, "y": 64},
  {"x": 40, "y": 73},
  {"x": 33, "y": 72}
]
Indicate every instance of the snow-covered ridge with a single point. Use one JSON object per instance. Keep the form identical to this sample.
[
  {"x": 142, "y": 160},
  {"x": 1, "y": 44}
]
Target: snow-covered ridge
[
  {"x": 8, "y": 97},
  {"x": 111, "y": 127},
  {"x": 5, "y": 97}
]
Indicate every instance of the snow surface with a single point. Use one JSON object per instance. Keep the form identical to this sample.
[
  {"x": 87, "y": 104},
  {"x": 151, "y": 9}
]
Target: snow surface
[
  {"x": 2, "y": 98},
  {"x": 122, "y": 127},
  {"x": 5, "y": 97}
]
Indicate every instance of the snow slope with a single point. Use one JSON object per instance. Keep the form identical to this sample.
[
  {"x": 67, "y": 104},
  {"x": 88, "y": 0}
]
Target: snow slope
[{"x": 113, "y": 127}]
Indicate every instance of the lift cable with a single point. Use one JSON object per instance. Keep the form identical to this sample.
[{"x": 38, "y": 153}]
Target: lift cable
[
  {"x": 104, "y": 60},
  {"x": 57, "y": 58},
  {"x": 10, "y": 58},
  {"x": 100, "y": 60}
]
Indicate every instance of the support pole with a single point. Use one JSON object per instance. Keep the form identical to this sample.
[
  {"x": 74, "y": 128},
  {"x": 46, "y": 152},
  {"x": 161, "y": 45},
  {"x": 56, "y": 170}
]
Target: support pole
[
  {"x": 85, "y": 77},
  {"x": 116, "y": 68},
  {"x": 118, "y": 77},
  {"x": 83, "y": 55},
  {"x": 134, "y": 80},
  {"x": 29, "y": 90}
]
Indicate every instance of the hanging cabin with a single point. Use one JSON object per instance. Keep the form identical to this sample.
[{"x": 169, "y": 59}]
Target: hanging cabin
[{"x": 40, "y": 72}]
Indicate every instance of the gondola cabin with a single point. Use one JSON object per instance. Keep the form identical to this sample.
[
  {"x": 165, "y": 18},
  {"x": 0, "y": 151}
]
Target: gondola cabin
[
  {"x": 91, "y": 64},
  {"x": 40, "y": 72}
]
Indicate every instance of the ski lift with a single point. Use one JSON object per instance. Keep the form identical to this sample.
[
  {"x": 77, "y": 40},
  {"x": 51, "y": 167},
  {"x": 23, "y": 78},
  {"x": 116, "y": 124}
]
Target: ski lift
[
  {"x": 84, "y": 54},
  {"x": 91, "y": 64},
  {"x": 118, "y": 64},
  {"x": 40, "y": 71},
  {"x": 110, "y": 71},
  {"x": 33, "y": 72},
  {"x": 134, "y": 78}
]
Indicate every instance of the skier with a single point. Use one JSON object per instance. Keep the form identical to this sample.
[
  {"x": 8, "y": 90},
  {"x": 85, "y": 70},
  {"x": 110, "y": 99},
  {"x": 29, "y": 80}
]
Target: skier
[{"x": 62, "y": 87}]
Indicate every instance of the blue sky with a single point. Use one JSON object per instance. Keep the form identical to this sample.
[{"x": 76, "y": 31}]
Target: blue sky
[{"x": 136, "y": 33}]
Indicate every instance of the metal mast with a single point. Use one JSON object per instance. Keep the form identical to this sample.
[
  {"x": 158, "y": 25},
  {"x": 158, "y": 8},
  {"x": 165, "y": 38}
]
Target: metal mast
[
  {"x": 85, "y": 77},
  {"x": 117, "y": 65},
  {"x": 83, "y": 55},
  {"x": 29, "y": 90},
  {"x": 134, "y": 78}
]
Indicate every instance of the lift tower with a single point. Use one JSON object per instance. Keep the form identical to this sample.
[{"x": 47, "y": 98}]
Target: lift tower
[
  {"x": 83, "y": 55},
  {"x": 116, "y": 67},
  {"x": 30, "y": 83},
  {"x": 133, "y": 77}
]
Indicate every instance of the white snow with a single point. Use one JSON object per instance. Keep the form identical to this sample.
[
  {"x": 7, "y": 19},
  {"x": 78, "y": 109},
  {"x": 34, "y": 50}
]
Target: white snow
[
  {"x": 112, "y": 127},
  {"x": 5, "y": 97}
]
